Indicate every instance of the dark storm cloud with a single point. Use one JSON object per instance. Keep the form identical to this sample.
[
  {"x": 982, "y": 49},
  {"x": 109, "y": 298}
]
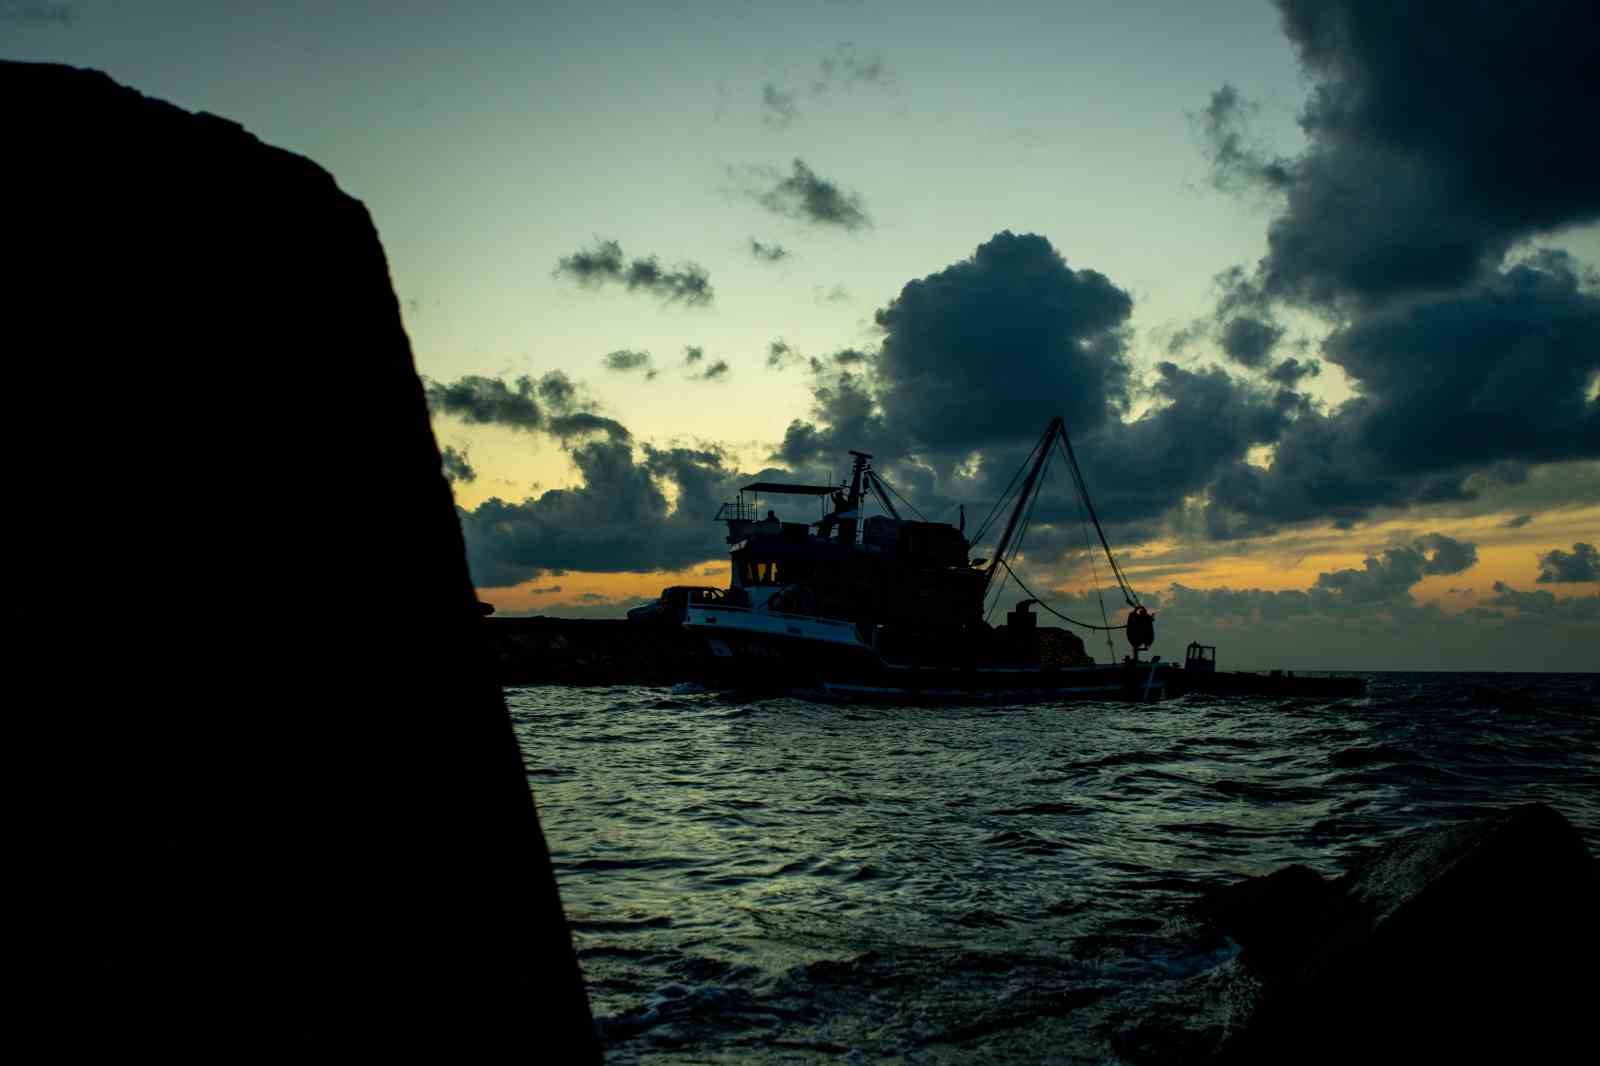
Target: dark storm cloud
[
  {"x": 1582, "y": 563},
  {"x": 617, "y": 518},
  {"x": 1452, "y": 390},
  {"x": 624, "y": 361},
  {"x": 768, "y": 252},
  {"x": 1440, "y": 134},
  {"x": 457, "y": 470},
  {"x": 978, "y": 357},
  {"x": 1498, "y": 372},
  {"x": 1250, "y": 341},
  {"x": 1242, "y": 323},
  {"x": 988, "y": 349},
  {"x": 692, "y": 354},
  {"x": 1540, "y": 603},
  {"x": 583, "y": 423},
  {"x": 687, "y": 283},
  {"x": 777, "y": 107},
  {"x": 805, "y": 196},
  {"x": 717, "y": 371},
  {"x": 1207, "y": 421},
  {"x": 549, "y": 405},
  {"x": 1291, "y": 371}
]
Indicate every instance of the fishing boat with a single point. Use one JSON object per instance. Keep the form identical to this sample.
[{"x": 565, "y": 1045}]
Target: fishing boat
[{"x": 887, "y": 606}]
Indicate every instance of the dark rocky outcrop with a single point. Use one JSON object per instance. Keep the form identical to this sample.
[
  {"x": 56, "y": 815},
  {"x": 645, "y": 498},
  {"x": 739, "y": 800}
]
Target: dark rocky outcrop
[
  {"x": 1473, "y": 942},
  {"x": 277, "y": 805}
]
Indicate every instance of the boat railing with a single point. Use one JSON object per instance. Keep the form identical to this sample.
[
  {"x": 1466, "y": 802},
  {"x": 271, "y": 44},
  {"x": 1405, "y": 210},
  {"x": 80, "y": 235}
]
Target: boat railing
[
  {"x": 729, "y": 608},
  {"x": 736, "y": 511}
]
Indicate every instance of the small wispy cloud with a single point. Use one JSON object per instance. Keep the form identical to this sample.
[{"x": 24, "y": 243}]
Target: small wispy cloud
[
  {"x": 781, "y": 355},
  {"x": 804, "y": 195},
  {"x": 686, "y": 283},
  {"x": 768, "y": 252},
  {"x": 777, "y": 107},
  {"x": 625, "y": 361}
]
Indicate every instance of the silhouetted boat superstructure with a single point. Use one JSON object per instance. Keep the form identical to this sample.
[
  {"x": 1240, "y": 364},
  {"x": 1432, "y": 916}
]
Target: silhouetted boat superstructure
[{"x": 889, "y": 606}]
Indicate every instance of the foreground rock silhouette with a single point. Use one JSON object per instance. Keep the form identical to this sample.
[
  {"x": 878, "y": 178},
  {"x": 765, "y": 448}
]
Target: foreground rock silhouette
[
  {"x": 277, "y": 804},
  {"x": 1472, "y": 942}
]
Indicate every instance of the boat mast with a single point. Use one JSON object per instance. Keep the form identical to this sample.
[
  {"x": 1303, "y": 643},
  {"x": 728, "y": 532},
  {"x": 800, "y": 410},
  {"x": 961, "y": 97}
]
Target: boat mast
[
  {"x": 1056, "y": 426},
  {"x": 852, "y": 507}
]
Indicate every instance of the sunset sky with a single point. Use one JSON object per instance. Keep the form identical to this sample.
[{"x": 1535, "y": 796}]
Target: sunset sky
[{"x": 1314, "y": 284}]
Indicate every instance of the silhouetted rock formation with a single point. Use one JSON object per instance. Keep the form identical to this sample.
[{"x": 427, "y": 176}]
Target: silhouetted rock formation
[
  {"x": 287, "y": 806},
  {"x": 1472, "y": 942}
]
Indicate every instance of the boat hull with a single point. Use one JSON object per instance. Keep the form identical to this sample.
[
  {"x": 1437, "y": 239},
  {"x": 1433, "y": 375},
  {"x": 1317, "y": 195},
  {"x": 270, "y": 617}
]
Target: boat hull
[{"x": 778, "y": 652}]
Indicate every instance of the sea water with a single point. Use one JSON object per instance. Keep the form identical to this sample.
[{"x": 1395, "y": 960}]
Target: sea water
[{"x": 775, "y": 880}]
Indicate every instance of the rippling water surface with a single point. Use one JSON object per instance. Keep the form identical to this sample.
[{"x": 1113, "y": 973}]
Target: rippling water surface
[{"x": 776, "y": 880}]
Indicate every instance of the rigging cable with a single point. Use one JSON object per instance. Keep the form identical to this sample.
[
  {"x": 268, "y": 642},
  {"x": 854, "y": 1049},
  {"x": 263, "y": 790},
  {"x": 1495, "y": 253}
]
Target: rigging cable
[
  {"x": 878, "y": 480},
  {"x": 1128, "y": 594},
  {"x": 1016, "y": 543},
  {"x": 1094, "y": 569},
  {"x": 1022, "y": 531},
  {"x": 1052, "y": 610},
  {"x": 1006, "y": 495}
]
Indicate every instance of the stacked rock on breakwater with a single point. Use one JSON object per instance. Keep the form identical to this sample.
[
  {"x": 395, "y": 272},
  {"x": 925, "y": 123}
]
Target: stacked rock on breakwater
[{"x": 1472, "y": 942}]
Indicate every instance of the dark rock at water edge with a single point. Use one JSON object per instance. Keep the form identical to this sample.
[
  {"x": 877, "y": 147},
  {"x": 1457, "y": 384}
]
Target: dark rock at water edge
[
  {"x": 1473, "y": 942},
  {"x": 262, "y": 823}
]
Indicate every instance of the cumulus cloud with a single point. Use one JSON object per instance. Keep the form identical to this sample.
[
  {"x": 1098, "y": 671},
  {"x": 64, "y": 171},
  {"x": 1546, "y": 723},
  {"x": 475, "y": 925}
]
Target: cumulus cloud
[
  {"x": 1540, "y": 603},
  {"x": 986, "y": 351},
  {"x": 1439, "y": 136},
  {"x": 1582, "y": 563},
  {"x": 618, "y": 518},
  {"x": 687, "y": 283},
  {"x": 624, "y": 361},
  {"x": 1390, "y": 574},
  {"x": 488, "y": 401},
  {"x": 768, "y": 252},
  {"x": 457, "y": 470},
  {"x": 1497, "y": 373},
  {"x": 806, "y": 197},
  {"x": 1292, "y": 371}
]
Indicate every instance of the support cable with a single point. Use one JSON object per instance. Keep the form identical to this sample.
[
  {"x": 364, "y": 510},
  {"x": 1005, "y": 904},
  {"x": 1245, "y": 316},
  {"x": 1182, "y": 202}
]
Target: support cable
[
  {"x": 1052, "y": 610},
  {"x": 977, "y": 537},
  {"x": 1128, "y": 594},
  {"x": 882, "y": 484}
]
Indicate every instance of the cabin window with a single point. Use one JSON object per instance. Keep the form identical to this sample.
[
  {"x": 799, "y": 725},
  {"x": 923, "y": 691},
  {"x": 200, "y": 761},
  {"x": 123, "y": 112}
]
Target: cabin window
[{"x": 762, "y": 572}]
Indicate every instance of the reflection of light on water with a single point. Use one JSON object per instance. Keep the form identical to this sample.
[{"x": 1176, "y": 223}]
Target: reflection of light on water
[{"x": 746, "y": 878}]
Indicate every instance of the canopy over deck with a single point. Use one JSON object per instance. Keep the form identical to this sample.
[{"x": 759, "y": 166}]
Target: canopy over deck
[{"x": 792, "y": 490}]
